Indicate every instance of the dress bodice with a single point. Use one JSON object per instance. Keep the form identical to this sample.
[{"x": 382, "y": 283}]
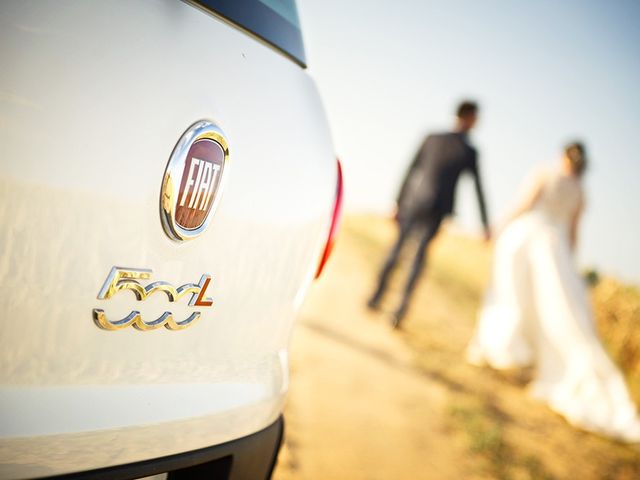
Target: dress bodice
[{"x": 560, "y": 197}]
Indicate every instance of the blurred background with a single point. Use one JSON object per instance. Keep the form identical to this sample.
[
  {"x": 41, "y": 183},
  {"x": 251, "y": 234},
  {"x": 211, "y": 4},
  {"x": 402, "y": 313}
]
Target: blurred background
[
  {"x": 370, "y": 403},
  {"x": 543, "y": 73}
]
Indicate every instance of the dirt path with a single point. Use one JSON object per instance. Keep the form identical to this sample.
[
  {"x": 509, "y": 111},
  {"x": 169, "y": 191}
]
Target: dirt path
[{"x": 369, "y": 403}]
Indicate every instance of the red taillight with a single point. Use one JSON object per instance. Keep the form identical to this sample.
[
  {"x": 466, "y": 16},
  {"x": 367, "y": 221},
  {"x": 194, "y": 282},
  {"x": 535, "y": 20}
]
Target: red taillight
[{"x": 335, "y": 223}]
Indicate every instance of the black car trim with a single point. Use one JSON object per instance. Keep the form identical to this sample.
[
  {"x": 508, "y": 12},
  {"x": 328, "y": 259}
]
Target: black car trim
[{"x": 248, "y": 458}]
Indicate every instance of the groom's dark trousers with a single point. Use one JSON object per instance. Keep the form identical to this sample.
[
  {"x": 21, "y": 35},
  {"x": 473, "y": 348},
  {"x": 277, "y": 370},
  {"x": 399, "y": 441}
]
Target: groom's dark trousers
[{"x": 426, "y": 197}]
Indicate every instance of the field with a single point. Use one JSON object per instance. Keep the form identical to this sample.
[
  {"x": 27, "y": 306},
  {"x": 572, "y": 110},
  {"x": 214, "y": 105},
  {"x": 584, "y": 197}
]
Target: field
[{"x": 367, "y": 402}]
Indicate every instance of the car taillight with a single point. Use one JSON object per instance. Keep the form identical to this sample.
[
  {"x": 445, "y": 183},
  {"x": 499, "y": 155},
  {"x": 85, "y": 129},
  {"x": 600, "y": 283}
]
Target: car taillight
[{"x": 335, "y": 223}]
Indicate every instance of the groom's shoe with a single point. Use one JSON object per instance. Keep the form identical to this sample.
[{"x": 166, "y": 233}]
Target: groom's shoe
[
  {"x": 374, "y": 303},
  {"x": 396, "y": 318}
]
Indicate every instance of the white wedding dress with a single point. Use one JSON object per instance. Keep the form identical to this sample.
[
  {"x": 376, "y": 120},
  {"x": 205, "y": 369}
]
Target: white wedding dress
[{"x": 537, "y": 312}]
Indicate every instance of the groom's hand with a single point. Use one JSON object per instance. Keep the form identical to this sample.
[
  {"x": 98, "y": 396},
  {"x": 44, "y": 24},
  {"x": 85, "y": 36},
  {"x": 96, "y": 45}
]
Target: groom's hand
[
  {"x": 487, "y": 235},
  {"x": 395, "y": 214}
]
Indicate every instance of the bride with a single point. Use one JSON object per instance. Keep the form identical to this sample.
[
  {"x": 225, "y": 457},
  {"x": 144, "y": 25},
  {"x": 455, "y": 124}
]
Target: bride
[{"x": 536, "y": 311}]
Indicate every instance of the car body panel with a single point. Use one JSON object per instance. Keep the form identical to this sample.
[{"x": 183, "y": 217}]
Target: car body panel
[{"x": 94, "y": 102}]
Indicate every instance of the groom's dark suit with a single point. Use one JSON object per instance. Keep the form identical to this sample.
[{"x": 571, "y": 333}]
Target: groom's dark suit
[
  {"x": 427, "y": 196},
  {"x": 429, "y": 186}
]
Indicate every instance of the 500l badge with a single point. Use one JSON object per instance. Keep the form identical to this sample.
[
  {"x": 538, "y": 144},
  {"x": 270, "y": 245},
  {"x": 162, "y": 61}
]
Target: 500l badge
[{"x": 122, "y": 278}]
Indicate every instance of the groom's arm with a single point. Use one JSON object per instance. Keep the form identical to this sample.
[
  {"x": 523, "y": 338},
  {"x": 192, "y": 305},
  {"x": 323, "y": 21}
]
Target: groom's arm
[{"x": 480, "y": 193}]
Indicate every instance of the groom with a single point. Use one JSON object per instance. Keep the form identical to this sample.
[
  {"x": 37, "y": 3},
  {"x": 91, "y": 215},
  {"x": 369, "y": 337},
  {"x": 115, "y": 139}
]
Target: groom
[{"x": 427, "y": 197}]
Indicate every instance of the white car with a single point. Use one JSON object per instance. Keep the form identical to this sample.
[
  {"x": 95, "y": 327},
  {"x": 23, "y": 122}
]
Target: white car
[{"x": 168, "y": 192}]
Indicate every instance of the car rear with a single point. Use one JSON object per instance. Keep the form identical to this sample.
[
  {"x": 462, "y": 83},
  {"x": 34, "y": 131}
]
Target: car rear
[{"x": 94, "y": 98}]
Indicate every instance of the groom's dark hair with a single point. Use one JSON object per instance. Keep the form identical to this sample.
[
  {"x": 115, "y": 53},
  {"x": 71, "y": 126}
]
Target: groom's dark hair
[{"x": 466, "y": 108}]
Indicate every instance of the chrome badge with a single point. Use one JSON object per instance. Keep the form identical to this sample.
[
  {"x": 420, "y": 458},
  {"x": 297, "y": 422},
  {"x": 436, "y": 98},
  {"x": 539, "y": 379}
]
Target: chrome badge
[
  {"x": 193, "y": 181},
  {"x": 121, "y": 278}
]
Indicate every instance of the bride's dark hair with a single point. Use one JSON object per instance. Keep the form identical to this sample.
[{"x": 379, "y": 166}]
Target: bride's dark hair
[{"x": 577, "y": 155}]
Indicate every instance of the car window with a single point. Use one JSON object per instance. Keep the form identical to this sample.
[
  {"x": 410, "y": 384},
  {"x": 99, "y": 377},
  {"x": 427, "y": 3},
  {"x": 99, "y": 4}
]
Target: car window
[
  {"x": 285, "y": 8},
  {"x": 275, "y": 21}
]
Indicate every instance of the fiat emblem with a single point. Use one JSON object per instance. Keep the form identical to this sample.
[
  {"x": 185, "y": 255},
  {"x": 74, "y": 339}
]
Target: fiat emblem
[{"x": 193, "y": 181}]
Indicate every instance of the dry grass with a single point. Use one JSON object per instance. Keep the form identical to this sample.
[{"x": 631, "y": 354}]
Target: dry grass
[{"x": 617, "y": 309}]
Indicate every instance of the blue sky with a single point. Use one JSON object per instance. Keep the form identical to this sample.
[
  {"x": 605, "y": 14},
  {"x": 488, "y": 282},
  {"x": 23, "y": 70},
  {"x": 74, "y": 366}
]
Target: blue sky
[{"x": 544, "y": 73}]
